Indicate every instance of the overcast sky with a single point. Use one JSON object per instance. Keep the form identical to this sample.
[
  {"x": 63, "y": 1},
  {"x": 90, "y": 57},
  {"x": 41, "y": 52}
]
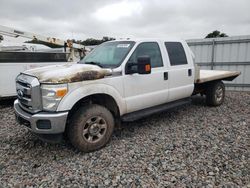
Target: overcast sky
[{"x": 81, "y": 19}]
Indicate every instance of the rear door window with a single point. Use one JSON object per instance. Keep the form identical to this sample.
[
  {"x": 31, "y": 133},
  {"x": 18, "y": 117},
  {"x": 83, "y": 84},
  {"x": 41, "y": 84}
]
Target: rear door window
[{"x": 176, "y": 53}]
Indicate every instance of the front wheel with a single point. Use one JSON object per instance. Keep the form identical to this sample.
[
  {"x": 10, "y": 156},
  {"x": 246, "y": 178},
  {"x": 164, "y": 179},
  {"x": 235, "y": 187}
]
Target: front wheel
[
  {"x": 215, "y": 94},
  {"x": 91, "y": 127}
]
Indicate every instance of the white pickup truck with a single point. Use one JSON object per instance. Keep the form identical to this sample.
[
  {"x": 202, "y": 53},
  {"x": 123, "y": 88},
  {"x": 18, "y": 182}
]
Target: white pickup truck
[{"x": 121, "y": 80}]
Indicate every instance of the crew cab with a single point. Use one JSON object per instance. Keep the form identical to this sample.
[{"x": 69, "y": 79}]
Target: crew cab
[{"x": 121, "y": 80}]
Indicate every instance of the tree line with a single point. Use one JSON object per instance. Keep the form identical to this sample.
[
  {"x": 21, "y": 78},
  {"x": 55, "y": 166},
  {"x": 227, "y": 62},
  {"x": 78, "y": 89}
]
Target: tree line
[{"x": 92, "y": 41}]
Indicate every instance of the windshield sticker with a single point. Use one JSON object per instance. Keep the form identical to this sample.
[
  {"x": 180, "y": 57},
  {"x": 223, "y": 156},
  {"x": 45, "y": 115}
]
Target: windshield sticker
[{"x": 123, "y": 45}]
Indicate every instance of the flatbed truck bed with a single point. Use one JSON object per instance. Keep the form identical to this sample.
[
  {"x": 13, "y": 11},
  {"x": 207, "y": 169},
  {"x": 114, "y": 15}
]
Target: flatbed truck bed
[{"x": 213, "y": 75}]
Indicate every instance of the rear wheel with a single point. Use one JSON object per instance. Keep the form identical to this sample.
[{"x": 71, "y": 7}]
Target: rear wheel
[
  {"x": 215, "y": 94},
  {"x": 91, "y": 127}
]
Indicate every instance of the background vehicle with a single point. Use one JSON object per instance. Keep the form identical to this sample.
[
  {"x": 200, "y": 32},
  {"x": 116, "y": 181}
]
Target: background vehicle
[
  {"x": 18, "y": 57},
  {"x": 118, "y": 81}
]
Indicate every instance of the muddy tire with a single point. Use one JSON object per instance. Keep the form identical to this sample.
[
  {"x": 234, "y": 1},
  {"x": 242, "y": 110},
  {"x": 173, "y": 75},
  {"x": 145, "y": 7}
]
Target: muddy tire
[
  {"x": 215, "y": 94},
  {"x": 91, "y": 127}
]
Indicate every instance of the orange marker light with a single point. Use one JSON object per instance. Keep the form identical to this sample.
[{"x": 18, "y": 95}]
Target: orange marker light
[
  {"x": 147, "y": 68},
  {"x": 61, "y": 92}
]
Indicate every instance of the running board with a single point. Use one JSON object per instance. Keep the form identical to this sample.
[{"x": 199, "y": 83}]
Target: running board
[{"x": 153, "y": 110}]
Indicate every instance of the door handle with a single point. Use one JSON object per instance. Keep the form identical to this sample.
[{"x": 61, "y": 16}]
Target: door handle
[
  {"x": 189, "y": 72},
  {"x": 165, "y": 75}
]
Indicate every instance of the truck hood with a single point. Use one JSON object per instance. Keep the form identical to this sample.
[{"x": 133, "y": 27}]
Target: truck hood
[{"x": 68, "y": 73}]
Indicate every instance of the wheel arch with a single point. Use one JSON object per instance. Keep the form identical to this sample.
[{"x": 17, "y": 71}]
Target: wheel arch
[
  {"x": 85, "y": 92},
  {"x": 100, "y": 99}
]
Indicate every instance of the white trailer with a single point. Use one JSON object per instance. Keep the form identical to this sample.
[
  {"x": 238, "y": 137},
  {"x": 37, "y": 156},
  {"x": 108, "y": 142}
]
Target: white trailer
[
  {"x": 9, "y": 71},
  {"x": 18, "y": 58}
]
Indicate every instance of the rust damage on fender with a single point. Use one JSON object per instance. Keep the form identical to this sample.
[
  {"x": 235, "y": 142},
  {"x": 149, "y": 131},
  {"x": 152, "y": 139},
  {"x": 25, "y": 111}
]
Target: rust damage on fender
[
  {"x": 88, "y": 75},
  {"x": 69, "y": 73},
  {"x": 78, "y": 77}
]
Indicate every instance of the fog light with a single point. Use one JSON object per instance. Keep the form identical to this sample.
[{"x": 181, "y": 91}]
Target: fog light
[{"x": 43, "y": 124}]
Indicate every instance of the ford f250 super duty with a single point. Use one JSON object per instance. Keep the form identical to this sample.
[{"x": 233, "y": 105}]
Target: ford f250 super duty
[{"x": 121, "y": 80}]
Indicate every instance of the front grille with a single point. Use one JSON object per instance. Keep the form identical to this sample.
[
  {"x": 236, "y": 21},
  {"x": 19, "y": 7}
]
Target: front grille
[
  {"x": 28, "y": 93},
  {"x": 24, "y": 93}
]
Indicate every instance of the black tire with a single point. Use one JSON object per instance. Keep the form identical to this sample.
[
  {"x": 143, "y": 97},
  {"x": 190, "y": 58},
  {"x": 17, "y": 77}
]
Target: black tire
[
  {"x": 82, "y": 131},
  {"x": 215, "y": 93}
]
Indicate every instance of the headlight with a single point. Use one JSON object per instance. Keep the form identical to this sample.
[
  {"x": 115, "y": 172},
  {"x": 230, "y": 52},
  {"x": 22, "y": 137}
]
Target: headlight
[{"x": 52, "y": 95}]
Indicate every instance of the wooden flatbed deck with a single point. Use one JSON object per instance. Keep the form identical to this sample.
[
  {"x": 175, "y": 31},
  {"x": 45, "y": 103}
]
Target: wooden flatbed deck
[{"x": 211, "y": 75}]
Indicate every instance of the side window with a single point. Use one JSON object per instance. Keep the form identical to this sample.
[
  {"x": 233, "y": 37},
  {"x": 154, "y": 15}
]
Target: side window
[
  {"x": 176, "y": 53},
  {"x": 150, "y": 49}
]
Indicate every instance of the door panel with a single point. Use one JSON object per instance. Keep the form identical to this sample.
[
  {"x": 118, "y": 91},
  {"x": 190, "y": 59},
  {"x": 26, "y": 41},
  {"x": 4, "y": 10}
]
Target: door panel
[
  {"x": 181, "y": 85},
  {"x": 143, "y": 91},
  {"x": 181, "y": 72}
]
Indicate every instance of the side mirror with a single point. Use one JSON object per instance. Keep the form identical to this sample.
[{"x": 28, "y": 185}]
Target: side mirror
[{"x": 143, "y": 66}]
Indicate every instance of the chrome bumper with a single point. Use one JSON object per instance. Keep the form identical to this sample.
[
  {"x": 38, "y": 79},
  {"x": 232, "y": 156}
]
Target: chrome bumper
[{"x": 42, "y": 122}]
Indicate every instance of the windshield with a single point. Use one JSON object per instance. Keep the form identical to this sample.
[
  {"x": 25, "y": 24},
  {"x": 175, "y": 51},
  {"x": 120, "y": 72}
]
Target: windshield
[{"x": 109, "y": 54}]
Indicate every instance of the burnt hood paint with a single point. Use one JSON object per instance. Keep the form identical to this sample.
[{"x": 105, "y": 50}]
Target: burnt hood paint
[{"x": 68, "y": 73}]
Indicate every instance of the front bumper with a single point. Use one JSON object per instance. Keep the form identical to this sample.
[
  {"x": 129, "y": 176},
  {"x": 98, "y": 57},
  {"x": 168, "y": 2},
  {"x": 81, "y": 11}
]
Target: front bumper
[{"x": 42, "y": 122}]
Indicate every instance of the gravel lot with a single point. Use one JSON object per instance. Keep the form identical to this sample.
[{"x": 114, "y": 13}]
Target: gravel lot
[{"x": 193, "y": 146}]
